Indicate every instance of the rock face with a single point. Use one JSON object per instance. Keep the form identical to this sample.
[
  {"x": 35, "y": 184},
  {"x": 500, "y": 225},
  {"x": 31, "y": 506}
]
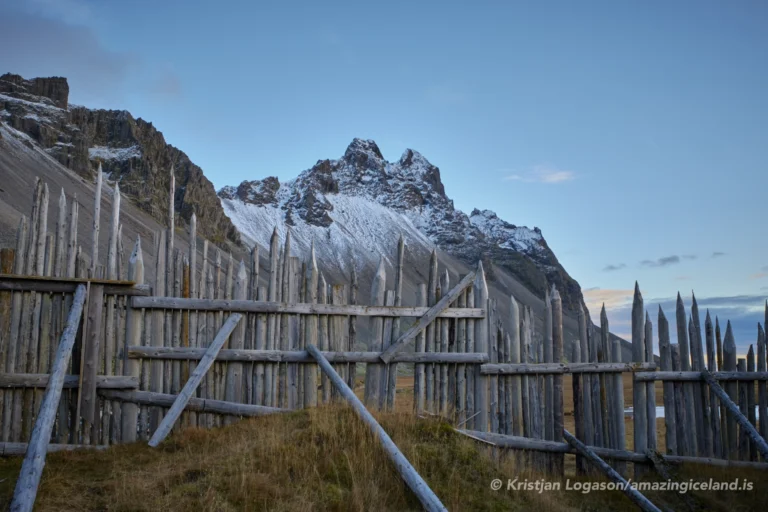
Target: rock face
[
  {"x": 352, "y": 191},
  {"x": 131, "y": 151}
]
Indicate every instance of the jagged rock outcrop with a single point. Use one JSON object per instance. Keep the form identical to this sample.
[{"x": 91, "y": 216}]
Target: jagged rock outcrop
[
  {"x": 361, "y": 182},
  {"x": 132, "y": 151}
]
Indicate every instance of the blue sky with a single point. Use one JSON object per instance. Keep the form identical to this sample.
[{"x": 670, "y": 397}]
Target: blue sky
[{"x": 634, "y": 134}]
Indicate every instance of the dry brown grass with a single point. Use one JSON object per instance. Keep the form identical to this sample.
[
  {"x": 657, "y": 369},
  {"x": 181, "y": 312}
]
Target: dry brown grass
[{"x": 321, "y": 459}]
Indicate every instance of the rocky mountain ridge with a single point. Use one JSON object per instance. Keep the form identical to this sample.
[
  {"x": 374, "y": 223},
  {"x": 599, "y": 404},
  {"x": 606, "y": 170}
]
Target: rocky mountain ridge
[
  {"x": 131, "y": 150},
  {"x": 362, "y": 181}
]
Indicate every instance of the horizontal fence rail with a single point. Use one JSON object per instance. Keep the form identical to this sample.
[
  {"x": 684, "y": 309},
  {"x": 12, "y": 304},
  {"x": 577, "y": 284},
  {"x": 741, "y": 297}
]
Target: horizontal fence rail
[
  {"x": 249, "y": 306},
  {"x": 302, "y": 356},
  {"x": 554, "y": 368}
]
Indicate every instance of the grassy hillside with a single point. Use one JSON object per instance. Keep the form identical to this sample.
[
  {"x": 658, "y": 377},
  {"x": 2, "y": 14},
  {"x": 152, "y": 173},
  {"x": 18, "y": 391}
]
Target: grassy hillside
[{"x": 321, "y": 459}]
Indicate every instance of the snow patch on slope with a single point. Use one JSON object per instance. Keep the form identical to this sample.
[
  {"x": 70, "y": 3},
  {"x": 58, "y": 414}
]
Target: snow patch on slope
[
  {"x": 107, "y": 153},
  {"x": 361, "y": 232}
]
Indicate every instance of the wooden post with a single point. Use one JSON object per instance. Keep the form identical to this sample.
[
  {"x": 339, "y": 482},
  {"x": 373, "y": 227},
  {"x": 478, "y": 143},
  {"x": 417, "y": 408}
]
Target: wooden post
[
  {"x": 323, "y": 341},
  {"x": 680, "y": 410},
  {"x": 88, "y": 398},
  {"x": 461, "y": 369},
  {"x": 310, "y": 332},
  {"x": 131, "y": 367},
  {"x": 639, "y": 395},
  {"x": 762, "y": 386},
  {"x": 703, "y": 430},
  {"x": 353, "y": 288},
  {"x": 482, "y": 346},
  {"x": 373, "y": 372},
  {"x": 578, "y": 406},
  {"x": 430, "y": 333},
  {"x": 748, "y": 428},
  {"x": 32, "y": 468},
  {"x": 588, "y": 429},
  {"x": 156, "y": 369},
  {"x": 234, "y": 384},
  {"x": 685, "y": 365},
  {"x": 741, "y": 366},
  {"x": 514, "y": 357},
  {"x": 617, "y": 394},
  {"x": 427, "y": 498},
  {"x": 197, "y": 376},
  {"x": 389, "y": 300},
  {"x": 665, "y": 356},
  {"x": 751, "y": 401},
  {"x": 557, "y": 392},
  {"x": 650, "y": 387},
  {"x": 96, "y": 222},
  {"x": 443, "y": 368},
  {"x": 395, "y": 331},
  {"x": 729, "y": 365},
  {"x": 714, "y": 406},
  {"x": 419, "y": 394},
  {"x": 270, "y": 376},
  {"x": 632, "y": 493}
]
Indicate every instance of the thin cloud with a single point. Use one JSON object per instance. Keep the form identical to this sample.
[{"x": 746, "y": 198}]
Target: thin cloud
[
  {"x": 543, "y": 174},
  {"x": 611, "y": 268},
  {"x": 683, "y": 278},
  {"x": 689, "y": 256},
  {"x": 758, "y": 275},
  {"x": 594, "y": 298},
  {"x": 167, "y": 85},
  {"x": 661, "y": 262},
  {"x": 718, "y": 254}
]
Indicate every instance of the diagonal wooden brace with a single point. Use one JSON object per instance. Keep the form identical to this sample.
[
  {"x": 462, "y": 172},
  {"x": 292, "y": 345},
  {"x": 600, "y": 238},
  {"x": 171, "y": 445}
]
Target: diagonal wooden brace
[{"x": 428, "y": 317}]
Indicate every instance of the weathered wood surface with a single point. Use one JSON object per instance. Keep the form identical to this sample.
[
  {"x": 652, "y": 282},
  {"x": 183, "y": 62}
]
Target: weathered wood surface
[
  {"x": 91, "y": 350},
  {"x": 560, "y": 368},
  {"x": 203, "y": 405},
  {"x": 248, "y": 306},
  {"x": 373, "y": 371},
  {"x": 665, "y": 357},
  {"x": 749, "y": 429},
  {"x": 427, "y": 317},
  {"x": 57, "y": 284},
  {"x": 525, "y": 443},
  {"x": 428, "y": 499},
  {"x": 191, "y": 385},
  {"x": 696, "y": 376},
  {"x": 132, "y": 367},
  {"x": 558, "y": 340},
  {"x": 40, "y": 380},
  {"x": 639, "y": 395},
  {"x": 617, "y": 394},
  {"x": 419, "y": 382},
  {"x": 481, "y": 404},
  {"x": 301, "y": 356},
  {"x": 636, "y": 497},
  {"x": 691, "y": 445},
  {"x": 32, "y": 468}
]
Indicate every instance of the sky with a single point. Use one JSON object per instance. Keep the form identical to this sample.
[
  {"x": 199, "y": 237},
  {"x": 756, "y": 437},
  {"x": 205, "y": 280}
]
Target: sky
[{"x": 633, "y": 134}]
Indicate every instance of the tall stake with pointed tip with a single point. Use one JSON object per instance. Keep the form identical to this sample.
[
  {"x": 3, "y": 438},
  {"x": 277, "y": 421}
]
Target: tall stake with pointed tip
[
  {"x": 481, "y": 345},
  {"x": 650, "y": 387},
  {"x": 665, "y": 359},
  {"x": 639, "y": 392},
  {"x": 703, "y": 430},
  {"x": 96, "y": 222},
  {"x": 373, "y": 371},
  {"x": 714, "y": 412},
  {"x": 514, "y": 357},
  {"x": 586, "y": 384},
  {"x": 685, "y": 365},
  {"x": 131, "y": 366},
  {"x": 310, "y": 336},
  {"x": 558, "y": 340},
  {"x": 762, "y": 389},
  {"x": 392, "y": 367},
  {"x": 430, "y": 334},
  {"x": 731, "y": 387},
  {"x": 61, "y": 226},
  {"x": 617, "y": 394}
]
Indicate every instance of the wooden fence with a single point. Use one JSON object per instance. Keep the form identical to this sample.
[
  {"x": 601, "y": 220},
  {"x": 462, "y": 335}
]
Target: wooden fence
[{"x": 140, "y": 342}]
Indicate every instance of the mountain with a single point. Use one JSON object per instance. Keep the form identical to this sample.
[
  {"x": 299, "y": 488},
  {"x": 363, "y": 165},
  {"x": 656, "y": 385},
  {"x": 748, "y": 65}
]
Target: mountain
[
  {"x": 358, "y": 205},
  {"x": 131, "y": 151}
]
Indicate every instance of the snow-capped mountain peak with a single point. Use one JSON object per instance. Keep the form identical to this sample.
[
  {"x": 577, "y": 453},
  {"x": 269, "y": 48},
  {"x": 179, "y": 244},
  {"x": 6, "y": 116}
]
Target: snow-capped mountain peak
[{"x": 361, "y": 203}]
